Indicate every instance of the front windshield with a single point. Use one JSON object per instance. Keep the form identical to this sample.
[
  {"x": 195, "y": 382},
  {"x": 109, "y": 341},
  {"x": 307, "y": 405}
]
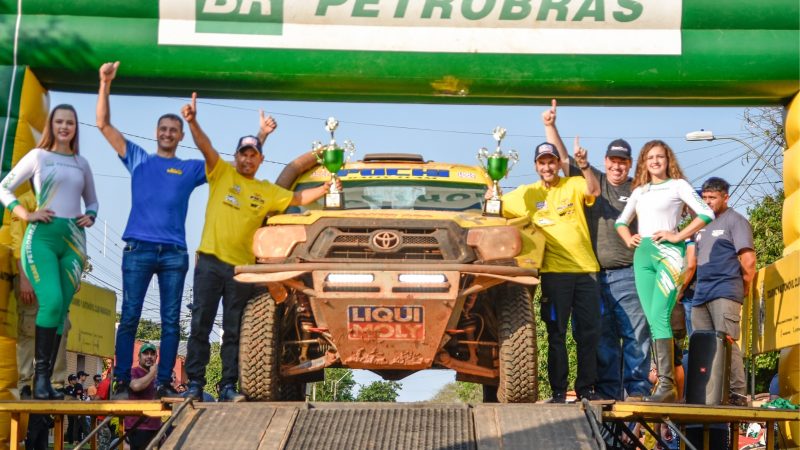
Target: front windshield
[{"x": 404, "y": 194}]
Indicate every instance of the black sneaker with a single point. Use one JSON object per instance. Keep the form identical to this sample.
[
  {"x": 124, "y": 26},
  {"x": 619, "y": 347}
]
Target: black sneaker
[
  {"x": 558, "y": 397},
  {"x": 121, "y": 390},
  {"x": 167, "y": 391},
  {"x": 589, "y": 394},
  {"x": 228, "y": 393},
  {"x": 25, "y": 393},
  {"x": 194, "y": 391}
]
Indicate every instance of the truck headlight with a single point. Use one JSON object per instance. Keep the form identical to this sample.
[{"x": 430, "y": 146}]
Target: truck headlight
[
  {"x": 277, "y": 241},
  {"x": 493, "y": 243}
]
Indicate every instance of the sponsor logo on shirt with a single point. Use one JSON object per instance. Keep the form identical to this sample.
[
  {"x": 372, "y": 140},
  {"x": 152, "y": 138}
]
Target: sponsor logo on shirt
[
  {"x": 541, "y": 205},
  {"x": 174, "y": 171},
  {"x": 717, "y": 233},
  {"x": 232, "y": 201},
  {"x": 623, "y": 198}
]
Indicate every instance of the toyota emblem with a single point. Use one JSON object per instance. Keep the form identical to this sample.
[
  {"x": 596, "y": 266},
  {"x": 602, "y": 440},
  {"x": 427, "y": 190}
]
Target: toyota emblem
[{"x": 385, "y": 240}]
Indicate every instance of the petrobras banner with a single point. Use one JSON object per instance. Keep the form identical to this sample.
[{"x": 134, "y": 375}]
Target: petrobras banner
[{"x": 590, "y": 27}]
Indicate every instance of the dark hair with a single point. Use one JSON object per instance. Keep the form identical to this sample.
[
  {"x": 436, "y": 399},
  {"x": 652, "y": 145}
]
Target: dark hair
[
  {"x": 49, "y": 137},
  {"x": 171, "y": 116},
  {"x": 716, "y": 184}
]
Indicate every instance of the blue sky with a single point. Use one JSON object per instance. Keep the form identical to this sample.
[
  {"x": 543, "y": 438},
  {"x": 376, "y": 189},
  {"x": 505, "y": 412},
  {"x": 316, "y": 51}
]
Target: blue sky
[{"x": 438, "y": 132}]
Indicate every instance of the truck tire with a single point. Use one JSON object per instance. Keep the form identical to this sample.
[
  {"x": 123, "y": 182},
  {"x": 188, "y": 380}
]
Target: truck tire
[
  {"x": 516, "y": 331},
  {"x": 259, "y": 349}
]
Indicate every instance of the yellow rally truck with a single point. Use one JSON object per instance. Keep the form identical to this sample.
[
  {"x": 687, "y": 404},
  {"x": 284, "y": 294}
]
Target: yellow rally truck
[{"x": 409, "y": 275}]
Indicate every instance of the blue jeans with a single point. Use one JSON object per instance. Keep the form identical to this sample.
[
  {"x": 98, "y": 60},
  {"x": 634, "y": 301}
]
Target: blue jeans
[
  {"x": 140, "y": 261},
  {"x": 623, "y": 354}
]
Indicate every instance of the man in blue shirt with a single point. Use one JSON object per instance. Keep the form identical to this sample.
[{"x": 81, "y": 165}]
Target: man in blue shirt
[
  {"x": 726, "y": 265},
  {"x": 155, "y": 236}
]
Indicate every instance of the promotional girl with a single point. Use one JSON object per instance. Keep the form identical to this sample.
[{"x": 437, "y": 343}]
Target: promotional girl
[
  {"x": 54, "y": 245},
  {"x": 658, "y": 200}
]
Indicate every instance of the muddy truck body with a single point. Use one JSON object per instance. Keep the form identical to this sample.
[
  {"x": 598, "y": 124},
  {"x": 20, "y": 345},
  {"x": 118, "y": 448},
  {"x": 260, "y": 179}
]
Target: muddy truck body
[{"x": 409, "y": 275}]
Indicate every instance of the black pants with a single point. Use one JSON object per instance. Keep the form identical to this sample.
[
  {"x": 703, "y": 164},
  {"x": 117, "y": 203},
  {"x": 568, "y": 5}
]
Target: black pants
[
  {"x": 213, "y": 279},
  {"x": 576, "y": 294},
  {"x": 38, "y": 432},
  {"x": 138, "y": 439}
]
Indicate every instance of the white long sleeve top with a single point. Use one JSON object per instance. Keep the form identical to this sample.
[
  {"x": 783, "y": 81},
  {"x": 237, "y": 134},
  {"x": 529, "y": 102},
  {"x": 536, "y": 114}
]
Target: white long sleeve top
[{"x": 659, "y": 207}]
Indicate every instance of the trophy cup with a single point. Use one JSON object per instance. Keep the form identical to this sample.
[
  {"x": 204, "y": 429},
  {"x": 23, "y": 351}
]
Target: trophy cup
[
  {"x": 332, "y": 158},
  {"x": 496, "y": 166}
]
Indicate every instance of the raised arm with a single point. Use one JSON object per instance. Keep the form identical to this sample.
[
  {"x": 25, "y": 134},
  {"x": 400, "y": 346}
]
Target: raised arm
[
  {"x": 201, "y": 140},
  {"x": 552, "y": 136},
  {"x": 107, "y": 73},
  {"x": 582, "y": 161},
  {"x": 267, "y": 126}
]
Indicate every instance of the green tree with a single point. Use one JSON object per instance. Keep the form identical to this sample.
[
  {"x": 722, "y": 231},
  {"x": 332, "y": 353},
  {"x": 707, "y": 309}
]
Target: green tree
[
  {"x": 459, "y": 391},
  {"x": 379, "y": 391},
  {"x": 337, "y": 387},
  {"x": 766, "y": 220},
  {"x": 214, "y": 369}
]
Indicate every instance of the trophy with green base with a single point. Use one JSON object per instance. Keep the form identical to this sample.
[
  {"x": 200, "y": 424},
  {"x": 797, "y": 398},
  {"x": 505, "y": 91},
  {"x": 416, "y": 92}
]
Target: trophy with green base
[
  {"x": 496, "y": 166},
  {"x": 333, "y": 158}
]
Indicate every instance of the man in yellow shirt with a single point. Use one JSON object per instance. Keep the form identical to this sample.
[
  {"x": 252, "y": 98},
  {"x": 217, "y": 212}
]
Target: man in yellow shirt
[
  {"x": 569, "y": 269},
  {"x": 237, "y": 207}
]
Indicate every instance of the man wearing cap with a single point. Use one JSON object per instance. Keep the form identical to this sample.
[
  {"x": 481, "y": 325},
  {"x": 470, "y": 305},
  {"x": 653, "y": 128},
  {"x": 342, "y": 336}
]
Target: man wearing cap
[
  {"x": 143, "y": 387},
  {"x": 155, "y": 236},
  {"x": 624, "y": 345},
  {"x": 237, "y": 207},
  {"x": 569, "y": 270}
]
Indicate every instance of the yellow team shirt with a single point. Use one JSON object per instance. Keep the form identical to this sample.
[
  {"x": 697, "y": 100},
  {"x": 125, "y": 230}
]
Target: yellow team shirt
[
  {"x": 236, "y": 208},
  {"x": 558, "y": 212}
]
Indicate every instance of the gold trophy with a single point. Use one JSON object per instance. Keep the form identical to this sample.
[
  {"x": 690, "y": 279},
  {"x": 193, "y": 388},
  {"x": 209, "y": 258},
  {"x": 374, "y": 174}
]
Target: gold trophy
[
  {"x": 496, "y": 166},
  {"x": 333, "y": 158}
]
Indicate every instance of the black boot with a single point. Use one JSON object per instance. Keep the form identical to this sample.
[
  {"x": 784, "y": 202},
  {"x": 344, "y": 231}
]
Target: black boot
[
  {"x": 54, "y": 394},
  {"x": 666, "y": 392},
  {"x": 45, "y": 337}
]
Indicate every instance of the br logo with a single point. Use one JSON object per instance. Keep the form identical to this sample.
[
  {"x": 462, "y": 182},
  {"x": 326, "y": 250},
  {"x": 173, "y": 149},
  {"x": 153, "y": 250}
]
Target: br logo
[{"x": 239, "y": 16}]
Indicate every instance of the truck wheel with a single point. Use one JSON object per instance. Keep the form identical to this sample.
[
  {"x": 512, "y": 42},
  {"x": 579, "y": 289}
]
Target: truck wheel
[
  {"x": 259, "y": 349},
  {"x": 517, "y": 340}
]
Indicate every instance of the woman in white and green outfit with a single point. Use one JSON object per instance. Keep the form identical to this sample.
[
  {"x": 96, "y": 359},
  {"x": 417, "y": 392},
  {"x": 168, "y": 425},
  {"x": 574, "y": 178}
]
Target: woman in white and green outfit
[
  {"x": 658, "y": 200},
  {"x": 54, "y": 247}
]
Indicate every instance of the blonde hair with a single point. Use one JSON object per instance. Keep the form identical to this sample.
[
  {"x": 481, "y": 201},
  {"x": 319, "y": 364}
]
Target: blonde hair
[
  {"x": 642, "y": 175},
  {"x": 49, "y": 138}
]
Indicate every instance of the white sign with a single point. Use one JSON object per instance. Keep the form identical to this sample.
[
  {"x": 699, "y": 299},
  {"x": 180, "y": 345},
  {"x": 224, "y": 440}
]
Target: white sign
[{"x": 601, "y": 27}]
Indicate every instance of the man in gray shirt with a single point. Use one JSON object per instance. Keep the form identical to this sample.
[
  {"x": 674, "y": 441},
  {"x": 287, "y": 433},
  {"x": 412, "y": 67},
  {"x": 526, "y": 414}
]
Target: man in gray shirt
[
  {"x": 623, "y": 353},
  {"x": 726, "y": 265}
]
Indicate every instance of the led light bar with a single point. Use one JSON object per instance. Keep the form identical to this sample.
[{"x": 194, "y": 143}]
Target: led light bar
[
  {"x": 350, "y": 278},
  {"x": 422, "y": 278}
]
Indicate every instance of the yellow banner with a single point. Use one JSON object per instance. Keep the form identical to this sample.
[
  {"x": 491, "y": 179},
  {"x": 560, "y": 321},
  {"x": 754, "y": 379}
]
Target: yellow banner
[
  {"x": 776, "y": 305},
  {"x": 92, "y": 314}
]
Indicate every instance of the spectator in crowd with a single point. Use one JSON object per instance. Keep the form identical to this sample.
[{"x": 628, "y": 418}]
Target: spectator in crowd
[
  {"x": 569, "y": 270},
  {"x": 143, "y": 387}
]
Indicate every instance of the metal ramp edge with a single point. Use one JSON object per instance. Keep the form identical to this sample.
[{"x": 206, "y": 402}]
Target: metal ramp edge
[{"x": 379, "y": 426}]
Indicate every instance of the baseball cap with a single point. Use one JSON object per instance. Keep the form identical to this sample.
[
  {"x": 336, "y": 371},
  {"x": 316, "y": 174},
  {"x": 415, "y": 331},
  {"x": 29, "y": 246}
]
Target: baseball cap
[
  {"x": 82, "y": 374},
  {"x": 619, "y": 148},
  {"x": 545, "y": 148},
  {"x": 147, "y": 346},
  {"x": 72, "y": 376},
  {"x": 248, "y": 141}
]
